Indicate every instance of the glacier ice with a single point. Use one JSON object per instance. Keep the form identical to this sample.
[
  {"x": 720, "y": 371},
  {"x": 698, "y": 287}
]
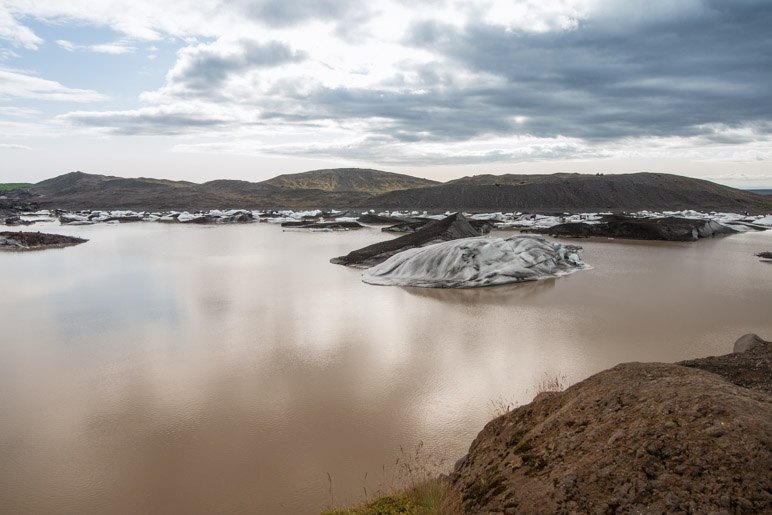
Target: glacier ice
[{"x": 478, "y": 261}]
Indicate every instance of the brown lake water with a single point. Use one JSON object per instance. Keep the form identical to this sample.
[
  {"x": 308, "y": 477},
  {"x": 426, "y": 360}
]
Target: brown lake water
[{"x": 173, "y": 369}]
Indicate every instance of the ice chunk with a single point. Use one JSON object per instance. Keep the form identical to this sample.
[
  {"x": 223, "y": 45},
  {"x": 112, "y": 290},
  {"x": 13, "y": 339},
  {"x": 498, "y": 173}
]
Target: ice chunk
[
  {"x": 497, "y": 217},
  {"x": 764, "y": 220},
  {"x": 474, "y": 262}
]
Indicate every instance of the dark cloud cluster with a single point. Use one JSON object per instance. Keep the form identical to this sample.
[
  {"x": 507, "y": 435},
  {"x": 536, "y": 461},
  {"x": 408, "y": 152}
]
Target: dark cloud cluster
[
  {"x": 600, "y": 81},
  {"x": 682, "y": 72},
  {"x": 202, "y": 69},
  {"x": 146, "y": 121}
]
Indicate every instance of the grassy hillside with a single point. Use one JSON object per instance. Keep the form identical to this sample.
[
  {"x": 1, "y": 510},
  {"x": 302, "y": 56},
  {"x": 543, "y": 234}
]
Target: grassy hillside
[
  {"x": 349, "y": 179},
  {"x": 8, "y": 186}
]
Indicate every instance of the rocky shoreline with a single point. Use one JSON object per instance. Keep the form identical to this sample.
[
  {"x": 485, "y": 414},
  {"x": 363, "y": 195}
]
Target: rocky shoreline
[
  {"x": 691, "y": 437},
  {"x": 668, "y": 225}
]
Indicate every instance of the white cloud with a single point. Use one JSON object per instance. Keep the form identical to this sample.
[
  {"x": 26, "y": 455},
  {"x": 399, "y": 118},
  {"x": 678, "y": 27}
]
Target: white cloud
[
  {"x": 14, "y": 146},
  {"x": 17, "y": 84},
  {"x": 13, "y": 31},
  {"x": 138, "y": 19},
  {"x": 19, "y": 112},
  {"x": 67, "y": 45},
  {"x": 120, "y": 47}
]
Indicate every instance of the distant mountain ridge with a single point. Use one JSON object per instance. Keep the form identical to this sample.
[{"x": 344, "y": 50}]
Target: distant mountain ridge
[
  {"x": 317, "y": 188},
  {"x": 356, "y": 188},
  {"x": 349, "y": 179},
  {"x": 577, "y": 192}
]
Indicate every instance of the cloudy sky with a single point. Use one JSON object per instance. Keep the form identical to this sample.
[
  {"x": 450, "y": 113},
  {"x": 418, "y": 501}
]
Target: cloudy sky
[{"x": 203, "y": 89}]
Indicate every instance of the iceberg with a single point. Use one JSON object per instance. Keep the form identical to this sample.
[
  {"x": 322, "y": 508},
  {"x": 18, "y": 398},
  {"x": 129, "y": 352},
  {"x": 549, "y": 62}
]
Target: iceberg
[{"x": 475, "y": 262}]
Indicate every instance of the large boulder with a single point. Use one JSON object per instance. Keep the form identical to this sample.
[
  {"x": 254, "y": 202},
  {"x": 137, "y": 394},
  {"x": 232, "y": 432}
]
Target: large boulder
[{"x": 748, "y": 342}]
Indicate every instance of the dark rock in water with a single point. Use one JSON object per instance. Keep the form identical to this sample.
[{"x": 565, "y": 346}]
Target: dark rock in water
[
  {"x": 333, "y": 226},
  {"x": 297, "y": 223},
  {"x": 16, "y": 220},
  {"x": 406, "y": 227},
  {"x": 764, "y": 255},
  {"x": 124, "y": 219},
  {"x": 668, "y": 229},
  {"x": 452, "y": 227},
  {"x": 36, "y": 240},
  {"x": 198, "y": 219},
  {"x": 372, "y": 219},
  {"x": 242, "y": 217}
]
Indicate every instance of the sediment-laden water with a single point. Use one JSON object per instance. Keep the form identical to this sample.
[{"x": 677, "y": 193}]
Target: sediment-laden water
[{"x": 174, "y": 369}]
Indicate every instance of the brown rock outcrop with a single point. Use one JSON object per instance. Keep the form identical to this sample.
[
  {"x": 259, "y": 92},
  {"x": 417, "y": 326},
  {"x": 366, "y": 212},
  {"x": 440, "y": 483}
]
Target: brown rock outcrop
[{"x": 638, "y": 438}]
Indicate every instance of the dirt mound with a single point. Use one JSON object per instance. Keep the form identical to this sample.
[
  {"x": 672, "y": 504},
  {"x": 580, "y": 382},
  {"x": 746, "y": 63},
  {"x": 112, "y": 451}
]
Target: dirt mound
[{"x": 638, "y": 438}]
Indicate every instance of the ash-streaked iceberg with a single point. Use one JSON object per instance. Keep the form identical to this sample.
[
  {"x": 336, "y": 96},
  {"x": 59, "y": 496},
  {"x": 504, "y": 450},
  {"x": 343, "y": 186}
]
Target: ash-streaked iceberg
[{"x": 475, "y": 262}]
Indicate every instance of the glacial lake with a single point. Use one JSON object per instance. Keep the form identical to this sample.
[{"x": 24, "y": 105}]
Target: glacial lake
[{"x": 189, "y": 369}]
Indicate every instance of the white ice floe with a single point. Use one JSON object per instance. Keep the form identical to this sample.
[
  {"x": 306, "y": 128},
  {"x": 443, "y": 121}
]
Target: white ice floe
[
  {"x": 474, "y": 262},
  {"x": 766, "y": 221},
  {"x": 493, "y": 217}
]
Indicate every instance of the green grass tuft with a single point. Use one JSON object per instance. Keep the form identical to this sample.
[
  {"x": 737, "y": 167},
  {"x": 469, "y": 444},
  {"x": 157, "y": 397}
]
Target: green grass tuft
[
  {"x": 427, "y": 498},
  {"x": 13, "y": 186}
]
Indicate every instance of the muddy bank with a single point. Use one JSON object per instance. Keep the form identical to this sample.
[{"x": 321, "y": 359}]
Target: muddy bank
[
  {"x": 36, "y": 241},
  {"x": 692, "y": 437}
]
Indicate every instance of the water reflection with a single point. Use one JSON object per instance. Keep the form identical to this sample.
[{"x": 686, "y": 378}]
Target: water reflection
[
  {"x": 499, "y": 295},
  {"x": 164, "y": 369}
]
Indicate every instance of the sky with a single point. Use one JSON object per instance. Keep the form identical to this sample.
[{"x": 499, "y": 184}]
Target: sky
[{"x": 248, "y": 89}]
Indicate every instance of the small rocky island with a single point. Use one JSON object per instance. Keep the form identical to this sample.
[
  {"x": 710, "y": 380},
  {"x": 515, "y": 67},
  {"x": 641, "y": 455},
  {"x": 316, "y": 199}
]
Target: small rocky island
[
  {"x": 36, "y": 241},
  {"x": 618, "y": 226}
]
